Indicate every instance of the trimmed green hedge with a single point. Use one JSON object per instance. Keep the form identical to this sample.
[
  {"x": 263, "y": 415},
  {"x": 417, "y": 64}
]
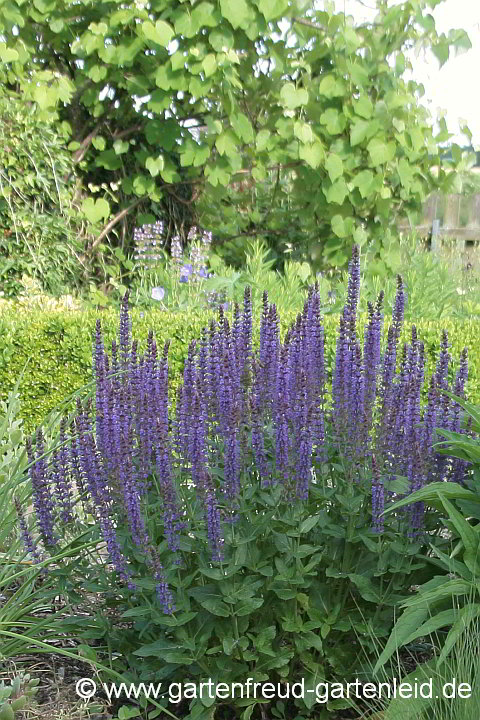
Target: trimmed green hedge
[{"x": 59, "y": 345}]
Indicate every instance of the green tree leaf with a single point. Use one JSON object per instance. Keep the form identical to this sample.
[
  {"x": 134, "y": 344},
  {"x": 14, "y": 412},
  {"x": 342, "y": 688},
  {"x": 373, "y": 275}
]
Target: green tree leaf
[
  {"x": 337, "y": 192},
  {"x": 334, "y": 166},
  {"x": 243, "y": 127},
  {"x": 161, "y": 33},
  {"x": 380, "y": 151},
  {"x": 313, "y": 154},
  {"x": 363, "y": 107},
  {"x": 237, "y": 12},
  {"x": 155, "y": 165},
  {"x": 95, "y": 210},
  {"x": 292, "y": 98},
  {"x": 334, "y": 120},
  {"x": 272, "y": 9}
]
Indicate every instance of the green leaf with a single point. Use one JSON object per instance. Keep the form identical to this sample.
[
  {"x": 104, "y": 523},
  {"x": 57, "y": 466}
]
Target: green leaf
[
  {"x": 330, "y": 87},
  {"x": 125, "y": 712},
  {"x": 272, "y": 9},
  {"x": 184, "y": 25},
  {"x": 338, "y": 226},
  {"x": 261, "y": 141},
  {"x": 334, "y": 166},
  {"x": 246, "y": 607},
  {"x": 226, "y": 143},
  {"x": 209, "y": 64},
  {"x": 417, "y": 138},
  {"x": 405, "y": 173},
  {"x": 309, "y": 523},
  {"x": 45, "y": 97},
  {"x": 337, "y": 192},
  {"x": 237, "y": 12},
  {"x": 96, "y": 210},
  {"x": 334, "y": 120},
  {"x": 365, "y": 587},
  {"x": 243, "y": 127},
  {"x": 470, "y": 538},
  {"x": 409, "y": 621},
  {"x": 121, "y": 147},
  {"x": 441, "y": 51},
  {"x": 178, "y": 60},
  {"x": 363, "y": 180},
  {"x": 217, "y": 175},
  {"x": 463, "y": 618},
  {"x": 312, "y": 154},
  {"x": 156, "y": 649},
  {"x": 215, "y": 606},
  {"x": 155, "y": 165},
  {"x": 205, "y": 15},
  {"x": 161, "y": 33},
  {"x": 292, "y": 98},
  {"x": 380, "y": 151},
  {"x": 363, "y": 107},
  {"x": 221, "y": 39},
  {"x": 7, "y": 54},
  {"x": 97, "y": 73}
]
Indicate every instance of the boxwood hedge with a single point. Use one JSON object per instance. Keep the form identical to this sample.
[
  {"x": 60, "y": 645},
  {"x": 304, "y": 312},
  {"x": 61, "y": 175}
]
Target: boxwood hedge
[{"x": 58, "y": 345}]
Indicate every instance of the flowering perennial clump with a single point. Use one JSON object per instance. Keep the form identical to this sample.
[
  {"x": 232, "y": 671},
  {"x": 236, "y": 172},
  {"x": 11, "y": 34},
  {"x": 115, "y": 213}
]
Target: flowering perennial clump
[
  {"x": 149, "y": 240},
  {"x": 244, "y": 419}
]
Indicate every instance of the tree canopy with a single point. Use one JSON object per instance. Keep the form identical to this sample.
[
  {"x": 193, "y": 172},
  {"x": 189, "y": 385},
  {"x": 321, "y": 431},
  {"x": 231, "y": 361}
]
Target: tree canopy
[{"x": 325, "y": 105}]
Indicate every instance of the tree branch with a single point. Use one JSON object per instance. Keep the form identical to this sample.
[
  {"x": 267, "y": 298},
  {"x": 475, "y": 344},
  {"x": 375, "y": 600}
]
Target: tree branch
[
  {"x": 119, "y": 216},
  {"x": 117, "y": 135},
  {"x": 308, "y": 23}
]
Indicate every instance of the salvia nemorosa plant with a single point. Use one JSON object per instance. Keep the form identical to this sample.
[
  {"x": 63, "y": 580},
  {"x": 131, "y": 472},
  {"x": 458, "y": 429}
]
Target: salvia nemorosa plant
[{"x": 245, "y": 419}]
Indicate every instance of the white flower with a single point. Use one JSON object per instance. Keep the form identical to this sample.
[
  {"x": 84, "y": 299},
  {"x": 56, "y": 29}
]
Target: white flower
[{"x": 158, "y": 293}]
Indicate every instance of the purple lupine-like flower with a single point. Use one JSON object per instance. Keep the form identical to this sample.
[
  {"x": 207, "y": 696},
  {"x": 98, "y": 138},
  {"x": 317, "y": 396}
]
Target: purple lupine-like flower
[
  {"x": 429, "y": 423},
  {"x": 26, "y": 535},
  {"x": 398, "y": 309},
  {"x": 131, "y": 496},
  {"x": 258, "y": 439},
  {"x": 197, "y": 442},
  {"x": 61, "y": 473},
  {"x": 124, "y": 333},
  {"x": 74, "y": 461},
  {"x": 280, "y": 420},
  {"x": 378, "y": 499},
  {"x": 358, "y": 431},
  {"x": 341, "y": 379},
  {"x": 42, "y": 492},
  {"x": 459, "y": 391},
  {"x": 171, "y": 514},
  {"x": 97, "y": 484},
  {"x": 101, "y": 390},
  {"x": 371, "y": 359},
  {"x": 353, "y": 292},
  {"x": 164, "y": 593},
  {"x": 212, "y": 517},
  {"x": 304, "y": 443},
  {"x": 459, "y": 466},
  {"x": 232, "y": 463}
]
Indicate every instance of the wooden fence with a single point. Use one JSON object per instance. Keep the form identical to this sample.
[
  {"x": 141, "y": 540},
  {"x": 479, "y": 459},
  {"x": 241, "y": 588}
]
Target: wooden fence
[{"x": 449, "y": 216}]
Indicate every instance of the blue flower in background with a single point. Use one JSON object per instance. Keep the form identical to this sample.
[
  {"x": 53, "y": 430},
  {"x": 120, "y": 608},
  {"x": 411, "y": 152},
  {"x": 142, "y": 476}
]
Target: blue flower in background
[
  {"x": 185, "y": 272},
  {"x": 158, "y": 293},
  {"x": 203, "y": 272}
]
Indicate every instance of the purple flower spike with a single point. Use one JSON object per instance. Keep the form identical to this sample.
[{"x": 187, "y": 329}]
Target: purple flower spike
[{"x": 42, "y": 492}]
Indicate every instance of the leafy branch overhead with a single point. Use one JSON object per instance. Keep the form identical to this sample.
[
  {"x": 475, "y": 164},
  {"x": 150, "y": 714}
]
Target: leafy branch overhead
[{"x": 328, "y": 95}]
